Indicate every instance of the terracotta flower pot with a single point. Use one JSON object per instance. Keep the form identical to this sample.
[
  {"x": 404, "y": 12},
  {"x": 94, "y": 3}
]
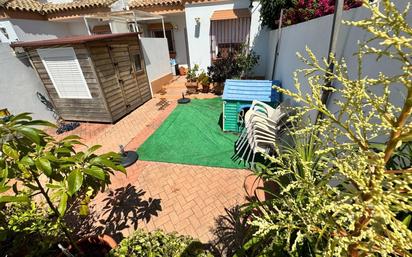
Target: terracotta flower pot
[
  {"x": 205, "y": 88},
  {"x": 94, "y": 246},
  {"x": 218, "y": 88},
  {"x": 182, "y": 71},
  {"x": 191, "y": 87}
]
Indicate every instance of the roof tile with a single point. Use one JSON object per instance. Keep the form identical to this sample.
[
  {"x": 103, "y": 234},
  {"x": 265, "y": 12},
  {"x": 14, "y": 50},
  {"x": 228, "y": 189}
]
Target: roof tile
[
  {"x": 36, "y": 6},
  {"x": 153, "y": 3}
]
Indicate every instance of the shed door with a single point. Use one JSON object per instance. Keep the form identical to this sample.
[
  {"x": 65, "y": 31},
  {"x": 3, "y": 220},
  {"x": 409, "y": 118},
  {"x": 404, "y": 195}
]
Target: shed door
[
  {"x": 122, "y": 61},
  {"x": 140, "y": 72},
  {"x": 109, "y": 81}
]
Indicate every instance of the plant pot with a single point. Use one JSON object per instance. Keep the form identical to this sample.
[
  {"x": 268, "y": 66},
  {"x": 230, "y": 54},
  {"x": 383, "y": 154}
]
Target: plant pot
[
  {"x": 191, "y": 87},
  {"x": 206, "y": 88},
  {"x": 182, "y": 71},
  {"x": 218, "y": 88},
  {"x": 94, "y": 246}
]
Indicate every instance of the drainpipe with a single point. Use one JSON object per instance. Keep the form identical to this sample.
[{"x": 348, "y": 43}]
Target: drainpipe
[
  {"x": 277, "y": 45},
  {"x": 337, "y": 21}
]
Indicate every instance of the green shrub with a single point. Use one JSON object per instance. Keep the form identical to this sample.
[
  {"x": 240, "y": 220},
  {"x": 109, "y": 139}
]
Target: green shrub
[
  {"x": 27, "y": 230},
  {"x": 158, "y": 244}
]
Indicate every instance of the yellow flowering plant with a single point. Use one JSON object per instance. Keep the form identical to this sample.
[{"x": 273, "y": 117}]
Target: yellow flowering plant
[{"x": 337, "y": 193}]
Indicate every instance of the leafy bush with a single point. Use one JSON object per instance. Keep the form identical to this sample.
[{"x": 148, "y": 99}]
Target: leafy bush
[
  {"x": 158, "y": 244},
  {"x": 203, "y": 79},
  {"x": 27, "y": 229},
  {"x": 224, "y": 68},
  {"x": 270, "y": 11},
  {"x": 236, "y": 65},
  {"x": 296, "y": 11},
  {"x": 344, "y": 199},
  {"x": 246, "y": 60},
  {"x": 304, "y": 10},
  {"x": 51, "y": 171},
  {"x": 191, "y": 75}
]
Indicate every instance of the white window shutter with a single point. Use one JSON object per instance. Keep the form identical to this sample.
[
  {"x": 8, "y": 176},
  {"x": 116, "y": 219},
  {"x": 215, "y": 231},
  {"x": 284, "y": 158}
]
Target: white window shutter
[{"x": 65, "y": 72}]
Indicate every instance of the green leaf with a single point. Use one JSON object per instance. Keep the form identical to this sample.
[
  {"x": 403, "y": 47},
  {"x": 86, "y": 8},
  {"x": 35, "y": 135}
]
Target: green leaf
[
  {"x": 15, "y": 190},
  {"x": 96, "y": 172},
  {"x": 41, "y": 123},
  {"x": 10, "y": 198},
  {"x": 92, "y": 149},
  {"x": 27, "y": 161},
  {"x": 406, "y": 221},
  {"x": 84, "y": 210},
  {"x": 10, "y": 152},
  {"x": 44, "y": 165},
  {"x": 75, "y": 181},
  {"x": 53, "y": 186},
  {"x": 101, "y": 161},
  {"x": 71, "y": 137},
  {"x": 31, "y": 133},
  {"x": 63, "y": 204},
  {"x": 4, "y": 189},
  {"x": 21, "y": 116}
]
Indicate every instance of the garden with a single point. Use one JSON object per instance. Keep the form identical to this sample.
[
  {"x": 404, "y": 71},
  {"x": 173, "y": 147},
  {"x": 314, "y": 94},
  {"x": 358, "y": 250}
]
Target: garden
[{"x": 337, "y": 184}]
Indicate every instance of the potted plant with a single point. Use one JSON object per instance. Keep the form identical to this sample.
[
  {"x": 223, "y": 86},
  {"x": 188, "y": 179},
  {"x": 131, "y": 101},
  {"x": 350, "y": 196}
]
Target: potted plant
[
  {"x": 204, "y": 80},
  {"x": 246, "y": 60},
  {"x": 222, "y": 69},
  {"x": 191, "y": 77},
  {"x": 34, "y": 164}
]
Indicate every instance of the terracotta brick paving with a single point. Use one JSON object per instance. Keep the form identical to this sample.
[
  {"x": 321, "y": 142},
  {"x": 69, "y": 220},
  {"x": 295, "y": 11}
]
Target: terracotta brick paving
[
  {"x": 173, "y": 197},
  {"x": 183, "y": 198}
]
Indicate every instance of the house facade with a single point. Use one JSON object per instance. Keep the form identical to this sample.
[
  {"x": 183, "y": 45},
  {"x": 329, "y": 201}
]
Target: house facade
[
  {"x": 36, "y": 20},
  {"x": 190, "y": 31},
  {"x": 200, "y": 31}
]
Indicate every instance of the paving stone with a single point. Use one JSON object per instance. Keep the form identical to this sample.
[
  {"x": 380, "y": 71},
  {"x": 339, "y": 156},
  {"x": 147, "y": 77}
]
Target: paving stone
[{"x": 174, "y": 197}]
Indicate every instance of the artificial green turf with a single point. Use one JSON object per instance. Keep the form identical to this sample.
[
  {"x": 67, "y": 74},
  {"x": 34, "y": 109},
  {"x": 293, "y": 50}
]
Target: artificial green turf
[{"x": 192, "y": 134}]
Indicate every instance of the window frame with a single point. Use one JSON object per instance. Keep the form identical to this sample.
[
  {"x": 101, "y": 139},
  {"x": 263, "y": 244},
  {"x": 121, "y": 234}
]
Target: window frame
[
  {"x": 133, "y": 57},
  {"x": 44, "y": 53},
  {"x": 152, "y": 32}
]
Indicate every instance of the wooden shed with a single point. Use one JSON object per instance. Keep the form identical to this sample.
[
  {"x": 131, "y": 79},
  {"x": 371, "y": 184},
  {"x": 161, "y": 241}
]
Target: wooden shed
[
  {"x": 98, "y": 78},
  {"x": 239, "y": 95}
]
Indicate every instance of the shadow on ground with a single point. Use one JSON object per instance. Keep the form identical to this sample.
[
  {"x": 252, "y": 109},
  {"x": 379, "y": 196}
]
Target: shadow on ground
[
  {"x": 123, "y": 208},
  {"x": 230, "y": 233}
]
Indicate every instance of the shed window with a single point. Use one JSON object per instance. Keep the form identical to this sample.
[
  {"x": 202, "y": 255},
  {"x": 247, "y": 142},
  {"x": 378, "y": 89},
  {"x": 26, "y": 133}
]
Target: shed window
[
  {"x": 137, "y": 62},
  {"x": 65, "y": 72}
]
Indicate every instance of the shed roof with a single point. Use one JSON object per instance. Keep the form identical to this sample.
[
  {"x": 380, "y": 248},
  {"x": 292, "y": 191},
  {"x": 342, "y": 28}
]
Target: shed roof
[
  {"x": 249, "y": 90},
  {"x": 71, "y": 40}
]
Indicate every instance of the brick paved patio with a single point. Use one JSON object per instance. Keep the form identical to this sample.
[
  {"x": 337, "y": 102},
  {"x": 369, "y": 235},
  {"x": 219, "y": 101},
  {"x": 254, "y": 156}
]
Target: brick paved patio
[{"x": 173, "y": 197}]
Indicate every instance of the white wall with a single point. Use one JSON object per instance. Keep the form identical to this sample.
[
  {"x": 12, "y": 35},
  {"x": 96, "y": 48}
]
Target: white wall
[
  {"x": 156, "y": 56},
  {"x": 119, "y": 27},
  {"x": 12, "y": 36},
  {"x": 315, "y": 34},
  {"x": 179, "y": 36},
  {"x": 199, "y": 41},
  {"x": 77, "y": 28},
  {"x": 19, "y": 84},
  {"x": 31, "y": 30}
]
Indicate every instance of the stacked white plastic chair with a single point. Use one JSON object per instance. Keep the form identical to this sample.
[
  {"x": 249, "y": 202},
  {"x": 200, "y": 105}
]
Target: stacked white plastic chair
[{"x": 262, "y": 126}]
